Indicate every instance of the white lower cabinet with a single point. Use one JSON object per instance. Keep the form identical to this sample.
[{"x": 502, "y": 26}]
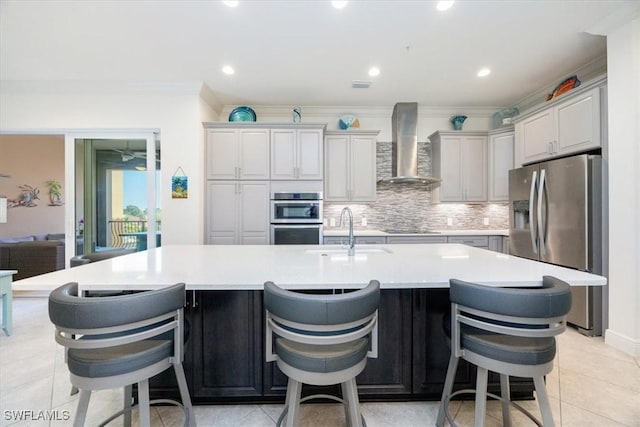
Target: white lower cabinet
[
  {"x": 476, "y": 241},
  {"x": 371, "y": 240},
  {"x": 495, "y": 243},
  {"x": 334, "y": 240},
  {"x": 505, "y": 244},
  {"x": 416, "y": 239},
  {"x": 238, "y": 212},
  {"x": 359, "y": 240}
]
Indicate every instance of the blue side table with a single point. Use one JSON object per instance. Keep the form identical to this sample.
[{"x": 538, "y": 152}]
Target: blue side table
[{"x": 6, "y": 277}]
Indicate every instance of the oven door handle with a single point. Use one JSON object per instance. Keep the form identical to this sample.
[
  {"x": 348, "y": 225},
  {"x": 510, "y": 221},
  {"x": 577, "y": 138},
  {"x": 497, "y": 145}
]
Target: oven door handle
[{"x": 289, "y": 225}]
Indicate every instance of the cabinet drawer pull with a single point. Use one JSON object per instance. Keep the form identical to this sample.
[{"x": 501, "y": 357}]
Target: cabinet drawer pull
[{"x": 194, "y": 302}]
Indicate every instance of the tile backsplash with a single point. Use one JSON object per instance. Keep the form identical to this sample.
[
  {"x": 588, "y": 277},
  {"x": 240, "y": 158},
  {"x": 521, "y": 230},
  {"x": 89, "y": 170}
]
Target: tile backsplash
[{"x": 407, "y": 207}]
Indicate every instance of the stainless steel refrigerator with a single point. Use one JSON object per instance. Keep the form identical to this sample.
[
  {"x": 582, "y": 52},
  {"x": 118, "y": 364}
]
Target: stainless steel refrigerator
[{"x": 555, "y": 216}]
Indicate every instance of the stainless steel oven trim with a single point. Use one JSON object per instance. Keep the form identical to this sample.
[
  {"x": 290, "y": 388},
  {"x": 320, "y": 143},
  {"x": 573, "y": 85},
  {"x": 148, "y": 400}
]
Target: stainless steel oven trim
[
  {"x": 293, "y": 195},
  {"x": 300, "y": 220},
  {"x": 319, "y": 226}
]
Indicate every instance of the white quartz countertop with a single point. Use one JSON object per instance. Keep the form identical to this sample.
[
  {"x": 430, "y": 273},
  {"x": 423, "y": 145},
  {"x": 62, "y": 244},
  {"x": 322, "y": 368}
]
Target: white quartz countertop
[
  {"x": 221, "y": 267},
  {"x": 339, "y": 232}
]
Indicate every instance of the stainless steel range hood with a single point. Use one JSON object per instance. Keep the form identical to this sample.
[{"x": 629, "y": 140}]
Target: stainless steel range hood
[{"x": 404, "y": 146}]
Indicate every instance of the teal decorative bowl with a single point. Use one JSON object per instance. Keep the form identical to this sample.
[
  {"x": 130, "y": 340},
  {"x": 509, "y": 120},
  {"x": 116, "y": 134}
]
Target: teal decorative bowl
[
  {"x": 457, "y": 122},
  {"x": 242, "y": 114}
]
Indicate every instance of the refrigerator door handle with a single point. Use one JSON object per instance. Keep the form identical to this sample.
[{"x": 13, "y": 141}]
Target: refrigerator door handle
[
  {"x": 532, "y": 195},
  {"x": 541, "y": 229}
]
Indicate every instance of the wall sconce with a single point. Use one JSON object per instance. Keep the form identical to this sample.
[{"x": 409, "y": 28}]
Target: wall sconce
[{"x": 3, "y": 210}]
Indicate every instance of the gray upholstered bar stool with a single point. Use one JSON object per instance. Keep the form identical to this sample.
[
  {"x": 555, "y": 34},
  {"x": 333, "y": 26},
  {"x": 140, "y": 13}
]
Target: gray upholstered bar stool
[
  {"x": 118, "y": 341},
  {"x": 321, "y": 340},
  {"x": 510, "y": 331}
]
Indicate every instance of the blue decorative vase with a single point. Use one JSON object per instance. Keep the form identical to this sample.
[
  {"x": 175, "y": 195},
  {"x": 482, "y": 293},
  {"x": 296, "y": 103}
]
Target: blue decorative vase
[
  {"x": 457, "y": 122},
  {"x": 297, "y": 114}
]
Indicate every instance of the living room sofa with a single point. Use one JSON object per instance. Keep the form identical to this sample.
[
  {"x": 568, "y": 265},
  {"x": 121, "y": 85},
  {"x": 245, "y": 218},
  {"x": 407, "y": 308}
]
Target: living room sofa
[{"x": 32, "y": 255}]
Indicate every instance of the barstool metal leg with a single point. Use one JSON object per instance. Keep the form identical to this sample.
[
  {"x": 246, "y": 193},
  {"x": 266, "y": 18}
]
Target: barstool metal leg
[
  {"x": 184, "y": 394},
  {"x": 345, "y": 403},
  {"x": 505, "y": 393},
  {"x": 481, "y": 397},
  {"x": 353, "y": 418},
  {"x": 448, "y": 388},
  {"x": 128, "y": 402},
  {"x": 543, "y": 401},
  {"x": 294, "y": 390},
  {"x": 83, "y": 405},
  {"x": 143, "y": 403}
]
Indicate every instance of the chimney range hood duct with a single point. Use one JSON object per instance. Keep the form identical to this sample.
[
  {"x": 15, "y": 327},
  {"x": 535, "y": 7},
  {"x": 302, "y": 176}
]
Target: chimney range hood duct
[{"x": 404, "y": 146}]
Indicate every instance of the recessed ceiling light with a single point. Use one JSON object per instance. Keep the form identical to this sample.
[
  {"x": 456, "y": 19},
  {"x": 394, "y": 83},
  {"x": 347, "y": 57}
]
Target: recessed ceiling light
[
  {"x": 339, "y": 4},
  {"x": 231, "y": 3},
  {"x": 228, "y": 70},
  {"x": 484, "y": 72},
  {"x": 444, "y": 5},
  {"x": 374, "y": 71}
]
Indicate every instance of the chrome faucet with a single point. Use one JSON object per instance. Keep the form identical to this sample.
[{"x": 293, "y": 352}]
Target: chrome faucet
[{"x": 352, "y": 249}]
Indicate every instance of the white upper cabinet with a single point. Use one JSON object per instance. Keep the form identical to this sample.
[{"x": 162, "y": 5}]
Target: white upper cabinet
[
  {"x": 500, "y": 162},
  {"x": 578, "y": 123},
  {"x": 237, "y": 154},
  {"x": 570, "y": 125},
  {"x": 350, "y": 166},
  {"x": 460, "y": 161},
  {"x": 296, "y": 154},
  {"x": 536, "y": 133}
]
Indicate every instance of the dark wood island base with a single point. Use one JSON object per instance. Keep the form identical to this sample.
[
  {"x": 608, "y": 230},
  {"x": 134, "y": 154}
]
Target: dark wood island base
[{"x": 224, "y": 360}]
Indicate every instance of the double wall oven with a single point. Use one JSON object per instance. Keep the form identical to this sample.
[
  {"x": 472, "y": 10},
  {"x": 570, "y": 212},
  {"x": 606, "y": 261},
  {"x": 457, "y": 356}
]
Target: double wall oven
[{"x": 296, "y": 218}]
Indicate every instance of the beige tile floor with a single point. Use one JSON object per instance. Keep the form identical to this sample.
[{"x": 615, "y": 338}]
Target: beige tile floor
[{"x": 592, "y": 385}]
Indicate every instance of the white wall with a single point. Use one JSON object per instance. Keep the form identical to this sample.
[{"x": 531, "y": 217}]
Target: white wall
[
  {"x": 177, "y": 114},
  {"x": 623, "y": 56}
]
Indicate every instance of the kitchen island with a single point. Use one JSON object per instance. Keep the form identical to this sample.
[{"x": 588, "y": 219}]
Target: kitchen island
[
  {"x": 224, "y": 359},
  {"x": 247, "y": 267}
]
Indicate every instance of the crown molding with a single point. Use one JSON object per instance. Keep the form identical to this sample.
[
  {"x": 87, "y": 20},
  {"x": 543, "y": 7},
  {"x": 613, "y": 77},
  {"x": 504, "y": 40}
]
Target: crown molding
[
  {"x": 101, "y": 87},
  {"x": 585, "y": 73},
  {"x": 266, "y": 112}
]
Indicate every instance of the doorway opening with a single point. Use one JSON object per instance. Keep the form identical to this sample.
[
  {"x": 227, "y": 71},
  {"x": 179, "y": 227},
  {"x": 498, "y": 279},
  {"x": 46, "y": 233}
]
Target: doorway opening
[{"x": 113, "y": 177}]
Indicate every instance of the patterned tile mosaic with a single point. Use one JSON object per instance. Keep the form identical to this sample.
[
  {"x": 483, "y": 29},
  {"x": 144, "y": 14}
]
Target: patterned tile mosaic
[{"x": 408, "y": 207}]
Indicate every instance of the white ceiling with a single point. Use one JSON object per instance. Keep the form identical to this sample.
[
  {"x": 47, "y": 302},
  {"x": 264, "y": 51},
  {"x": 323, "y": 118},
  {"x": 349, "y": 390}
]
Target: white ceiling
[{"x": 306, "y": 52}]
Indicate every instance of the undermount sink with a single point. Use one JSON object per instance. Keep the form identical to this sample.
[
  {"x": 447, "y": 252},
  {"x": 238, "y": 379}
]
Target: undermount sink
[{"x": 343, "y": 251}]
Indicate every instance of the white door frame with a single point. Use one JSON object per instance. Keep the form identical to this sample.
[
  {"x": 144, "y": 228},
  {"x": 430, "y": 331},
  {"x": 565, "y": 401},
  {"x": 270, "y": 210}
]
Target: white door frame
[{"x": 149, "y": 135}]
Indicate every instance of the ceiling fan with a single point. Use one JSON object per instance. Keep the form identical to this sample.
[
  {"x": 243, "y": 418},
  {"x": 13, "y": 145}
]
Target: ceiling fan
[{"x": 127, "y": 154}]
